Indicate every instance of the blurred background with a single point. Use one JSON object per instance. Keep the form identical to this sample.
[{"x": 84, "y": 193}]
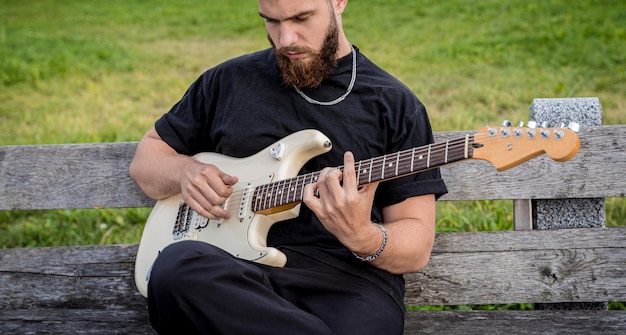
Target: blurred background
[{"x": 74, "y": 71}]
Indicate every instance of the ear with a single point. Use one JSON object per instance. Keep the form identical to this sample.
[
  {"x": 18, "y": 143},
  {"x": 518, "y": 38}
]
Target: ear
[{"x": 340, "y": 6}]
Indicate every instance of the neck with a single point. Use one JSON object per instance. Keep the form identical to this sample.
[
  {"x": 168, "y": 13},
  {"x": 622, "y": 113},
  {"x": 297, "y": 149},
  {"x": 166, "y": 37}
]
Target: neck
[
  {"x": 399, "y": 164},
  {"x": 345, "y": 48}
]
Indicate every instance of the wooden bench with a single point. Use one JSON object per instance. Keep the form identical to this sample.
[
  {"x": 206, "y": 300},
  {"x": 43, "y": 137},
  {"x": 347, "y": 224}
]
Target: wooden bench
[{"x": 91, "y": 290}]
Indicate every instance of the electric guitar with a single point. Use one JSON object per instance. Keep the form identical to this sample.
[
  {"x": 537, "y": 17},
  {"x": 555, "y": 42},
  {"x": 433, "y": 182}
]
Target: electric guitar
[{"x": 269, "y": 189}]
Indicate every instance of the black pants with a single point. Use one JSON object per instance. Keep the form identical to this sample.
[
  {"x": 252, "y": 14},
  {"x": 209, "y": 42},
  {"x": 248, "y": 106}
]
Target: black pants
[{"x": 196, "y": 288}]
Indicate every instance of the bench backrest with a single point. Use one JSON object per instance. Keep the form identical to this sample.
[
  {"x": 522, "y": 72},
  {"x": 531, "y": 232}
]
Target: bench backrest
[{"x": 68, "y": 176}]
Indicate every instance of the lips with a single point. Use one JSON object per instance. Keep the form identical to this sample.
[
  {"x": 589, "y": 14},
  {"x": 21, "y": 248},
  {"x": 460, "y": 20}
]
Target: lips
[{"x": 296, "y": 55}]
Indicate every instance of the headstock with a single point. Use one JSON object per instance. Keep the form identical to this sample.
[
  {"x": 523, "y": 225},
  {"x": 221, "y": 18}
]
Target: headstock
[{"x": 506, "y": 146}]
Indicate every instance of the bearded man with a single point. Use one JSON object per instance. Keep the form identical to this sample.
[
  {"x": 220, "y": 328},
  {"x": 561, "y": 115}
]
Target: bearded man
[{"x": 347, "y": 249}]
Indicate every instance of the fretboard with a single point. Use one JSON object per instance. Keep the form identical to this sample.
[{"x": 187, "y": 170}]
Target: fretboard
[{"x": 399, "y": 164}]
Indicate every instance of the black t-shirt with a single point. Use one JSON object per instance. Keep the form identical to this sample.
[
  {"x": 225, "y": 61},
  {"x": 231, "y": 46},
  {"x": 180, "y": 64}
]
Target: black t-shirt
[{"x": 241, "y": 106}]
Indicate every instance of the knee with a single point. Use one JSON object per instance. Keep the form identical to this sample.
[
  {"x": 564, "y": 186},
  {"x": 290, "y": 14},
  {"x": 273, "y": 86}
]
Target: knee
[{"x": 179, "y": 265}]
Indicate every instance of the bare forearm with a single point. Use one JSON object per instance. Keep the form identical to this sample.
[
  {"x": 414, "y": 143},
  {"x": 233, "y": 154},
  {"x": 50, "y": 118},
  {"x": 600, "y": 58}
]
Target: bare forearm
[
  {"x": 410, "y": 229},
  {"x": 408, "y": 248},
  {"x": 156, "y": 167}
]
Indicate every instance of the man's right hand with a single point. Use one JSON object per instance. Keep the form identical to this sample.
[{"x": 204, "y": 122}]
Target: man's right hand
[
  {"x": 205, "y": 188},
  {"x": 160, "y": 172}
]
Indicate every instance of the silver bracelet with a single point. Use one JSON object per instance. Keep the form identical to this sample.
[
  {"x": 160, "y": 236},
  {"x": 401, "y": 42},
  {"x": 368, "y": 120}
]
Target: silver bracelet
[{"x": 380, "y": 250}]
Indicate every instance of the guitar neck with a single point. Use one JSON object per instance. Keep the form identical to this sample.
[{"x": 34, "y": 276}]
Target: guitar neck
[{"x": 387, "y": 167}]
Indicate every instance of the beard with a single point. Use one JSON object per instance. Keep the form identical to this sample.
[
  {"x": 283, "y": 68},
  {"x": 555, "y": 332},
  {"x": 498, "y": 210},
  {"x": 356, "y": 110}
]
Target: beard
[{"x": 321, "y": 64}]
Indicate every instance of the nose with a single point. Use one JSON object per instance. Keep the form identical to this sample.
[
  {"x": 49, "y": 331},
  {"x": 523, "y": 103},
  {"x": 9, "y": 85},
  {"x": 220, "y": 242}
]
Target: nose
[{"x": 288, "y": 34}]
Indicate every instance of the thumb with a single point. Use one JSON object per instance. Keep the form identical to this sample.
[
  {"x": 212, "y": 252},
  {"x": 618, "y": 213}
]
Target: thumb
[{"x": 229, "y": 180}]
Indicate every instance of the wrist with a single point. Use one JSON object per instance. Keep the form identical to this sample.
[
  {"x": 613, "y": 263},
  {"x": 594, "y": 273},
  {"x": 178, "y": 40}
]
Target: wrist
[{"x": 370, "y": 257}]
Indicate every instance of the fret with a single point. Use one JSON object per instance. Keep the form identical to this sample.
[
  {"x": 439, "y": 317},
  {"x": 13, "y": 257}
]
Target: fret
[
  {"x": 445, "y": 161},
  {"x": 255, "y": 198},
  {"x": 397, "y": 162},
  {"x": 412, "y": 159},
  {"x": 428, "y": 159},
  {"x": 280, "y": 192},
  {"x": 382, "y": 173},
  {"x": 296, "y": 188},
  {"x": 404, "y": 163},
  {"x": 261, "y": 196},
  {"x": 420, "y": 157},
  {"x": 268, "y": 196},
  {"x": 379, "y": 166},
  {"x": 275, "y": 193},
  {"x": 299, "y": 188},
  {"x": 313, "y": 178},
  {"x": 290, "y": 190},
  {"x": 259, "y": 199}
]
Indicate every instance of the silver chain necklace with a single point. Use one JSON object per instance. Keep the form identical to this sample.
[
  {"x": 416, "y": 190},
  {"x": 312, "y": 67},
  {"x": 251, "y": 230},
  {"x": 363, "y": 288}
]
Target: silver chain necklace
[{"x": 341, "y": 98}]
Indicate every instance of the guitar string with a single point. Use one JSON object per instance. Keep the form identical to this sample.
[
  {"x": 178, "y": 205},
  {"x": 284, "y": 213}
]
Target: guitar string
[
  {"x": 436, "y": 149},
  {"x": 378, "y": 164}
]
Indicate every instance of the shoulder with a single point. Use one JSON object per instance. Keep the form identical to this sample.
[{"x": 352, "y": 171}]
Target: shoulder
[
  {"x": 377, "y": 78},
  {"x": 241, "y": 71},
  {"x": 387, "y": 90},
  {"x": 247, "y": 62}
]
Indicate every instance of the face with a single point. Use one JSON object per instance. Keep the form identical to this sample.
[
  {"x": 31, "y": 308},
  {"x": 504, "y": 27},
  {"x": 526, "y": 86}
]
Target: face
[{"x": 304, "y": 35}]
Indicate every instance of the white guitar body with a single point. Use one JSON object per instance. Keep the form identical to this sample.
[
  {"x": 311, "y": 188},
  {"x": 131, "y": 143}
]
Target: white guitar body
[{"x": 244, "y": 233}]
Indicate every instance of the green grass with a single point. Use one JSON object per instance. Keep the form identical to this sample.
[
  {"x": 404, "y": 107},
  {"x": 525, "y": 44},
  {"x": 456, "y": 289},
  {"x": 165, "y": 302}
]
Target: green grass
[
  {"x": 88, "y": 71},
  {"x": 71, "y": 227},
  {"x": 98, "y": 71},
  {"x": 91, "y": 71}
]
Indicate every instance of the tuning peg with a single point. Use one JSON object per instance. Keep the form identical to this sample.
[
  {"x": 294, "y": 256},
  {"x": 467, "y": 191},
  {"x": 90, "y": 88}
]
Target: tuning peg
[
  {"x": 506, "y": 123},
  {"x": 532, "y": 124},
  {"x": 574, "y": 126},
  {"x": 545, "y": 124},
  {"x": 520, "y": 124}
]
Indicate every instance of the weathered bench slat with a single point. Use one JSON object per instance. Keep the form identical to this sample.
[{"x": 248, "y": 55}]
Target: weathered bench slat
[
  {"x": 90, "y": 289},
  {"x": 52, "y": 176},
  {"x": 516, "y": 322},
  {"x": 86, "y": 321},
  {"x": 592, "y": 173},
  {"x": 69, "y": 277},
  {"x": 75, "y": 321},
  {"x": 568, "y": 265},
  {"x": 573, "y": 265},
  {"x": 94, "y": 321}
]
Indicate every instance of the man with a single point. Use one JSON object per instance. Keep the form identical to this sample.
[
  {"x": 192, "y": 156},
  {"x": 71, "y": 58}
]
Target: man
[{"x": 347, "y": 249}]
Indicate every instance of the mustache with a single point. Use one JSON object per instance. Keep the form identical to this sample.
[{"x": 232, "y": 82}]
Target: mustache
[{"x": 284, "y": 51}]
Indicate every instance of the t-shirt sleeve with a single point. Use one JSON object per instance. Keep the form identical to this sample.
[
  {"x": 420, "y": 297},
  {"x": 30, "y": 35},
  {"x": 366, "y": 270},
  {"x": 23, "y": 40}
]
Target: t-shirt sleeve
[
  {"x": 185, "y": 125},
  {"x": 411, "y": 131}
]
